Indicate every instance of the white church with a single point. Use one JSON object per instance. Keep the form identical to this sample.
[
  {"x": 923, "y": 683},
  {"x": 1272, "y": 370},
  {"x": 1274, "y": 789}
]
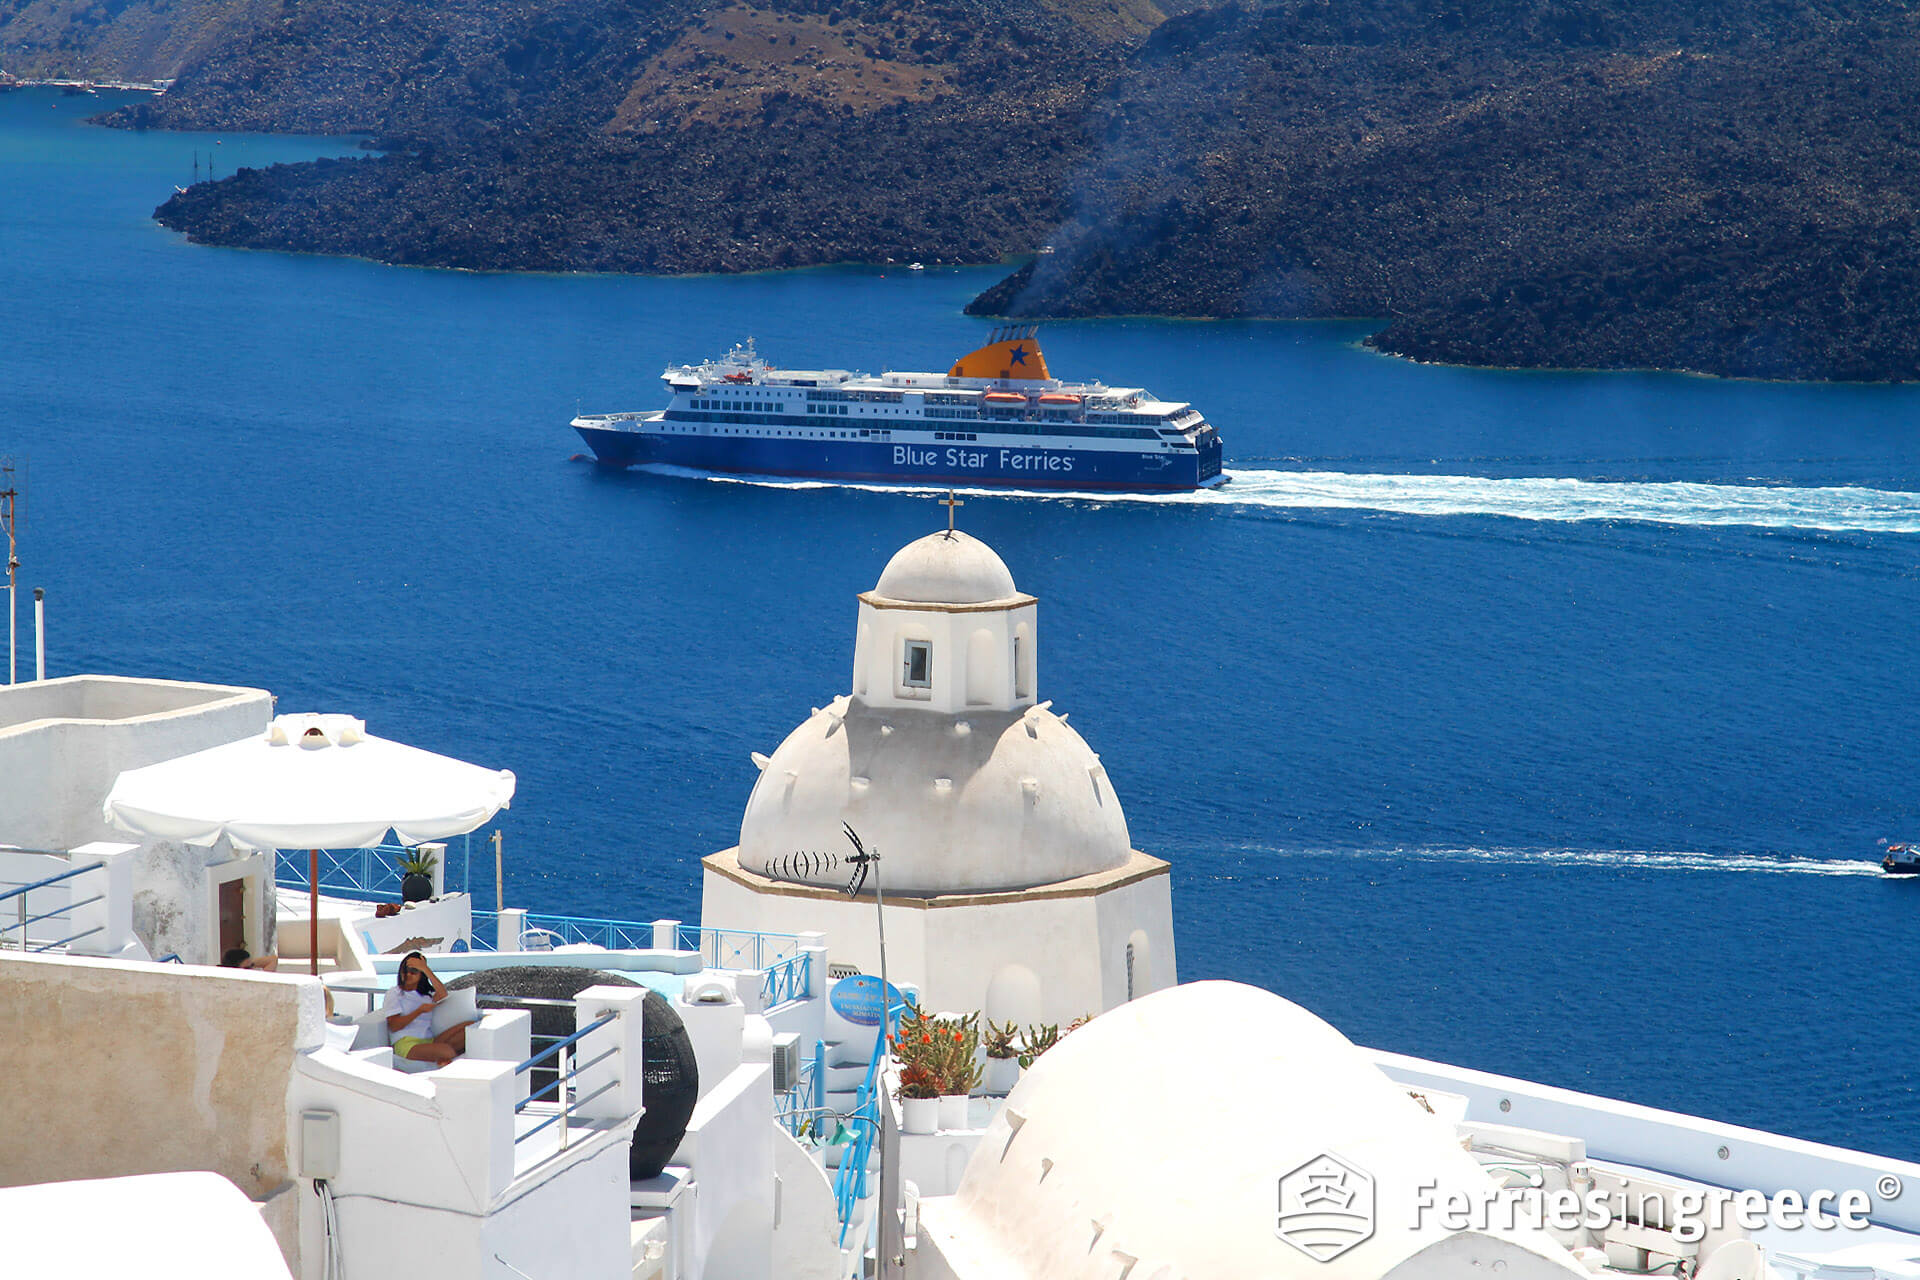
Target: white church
[{"x": 1008, "y": 878}]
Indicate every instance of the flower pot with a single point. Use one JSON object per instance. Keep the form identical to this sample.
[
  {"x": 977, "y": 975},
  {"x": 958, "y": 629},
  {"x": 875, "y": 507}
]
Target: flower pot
[
  {"x": 416, "y": 886},
  {"x": 1002, "y": 1075},
  {"x": 953, "y": 1111},
  {"x": 919, "y": 1115}
]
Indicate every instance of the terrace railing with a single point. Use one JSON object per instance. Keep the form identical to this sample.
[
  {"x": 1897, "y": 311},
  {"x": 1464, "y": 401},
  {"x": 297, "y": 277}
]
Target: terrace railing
[
  {"x": 850, "y": 1179},
  {"x": 614, "y": 935},
  {"x": 786, "y": 970},
  {"x": 738, "y": 948},
  {"x": 806, "y": 1101},
  {"x": 364, "y": 873},
  {"x": 564, "y": 1069},
  {"x": 786, "y": 982},
  {"x": 53, "y": 910}
]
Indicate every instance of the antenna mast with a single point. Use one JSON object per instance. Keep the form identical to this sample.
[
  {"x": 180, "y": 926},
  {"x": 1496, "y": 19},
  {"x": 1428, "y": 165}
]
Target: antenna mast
[{"x": 9, "y": 522}]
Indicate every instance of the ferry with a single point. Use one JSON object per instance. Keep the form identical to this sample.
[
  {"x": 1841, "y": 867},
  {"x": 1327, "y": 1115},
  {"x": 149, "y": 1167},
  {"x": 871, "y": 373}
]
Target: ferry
[{"x": 997, "y": 418}]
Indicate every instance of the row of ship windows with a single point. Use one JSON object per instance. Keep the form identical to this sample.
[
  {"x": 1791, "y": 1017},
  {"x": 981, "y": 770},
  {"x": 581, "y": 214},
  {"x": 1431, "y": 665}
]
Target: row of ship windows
[
  {"x": 966, "y": 405},
  {"x": 740, "y": 406},
  {"x": 748, "y": 406},
  {"x": 1046, "y": 415},
  {"x": 1046, "y": 426},
  {"x": 999, "y": 426},
  {"x": 872, "y": 397},
  {"x": 806, "y": 435}
]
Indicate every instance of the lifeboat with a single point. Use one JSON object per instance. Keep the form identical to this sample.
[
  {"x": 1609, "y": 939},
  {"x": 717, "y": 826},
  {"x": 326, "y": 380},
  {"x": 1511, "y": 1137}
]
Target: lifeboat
[
  {"x": 739, "y": 377},
  {"x": 1004, "y": 397},
  {"x": 1059, "y": 397}
]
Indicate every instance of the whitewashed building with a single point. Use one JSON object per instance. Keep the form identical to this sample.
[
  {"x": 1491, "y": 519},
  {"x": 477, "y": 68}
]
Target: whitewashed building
[{"x": 1010, "y": 881}]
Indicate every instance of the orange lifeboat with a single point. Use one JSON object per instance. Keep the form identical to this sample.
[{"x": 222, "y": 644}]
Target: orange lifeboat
[
  {"x": 1059, "y": 397},
  {"x": 739, "y": 377},
  {"x": 1004, "y": 397}
]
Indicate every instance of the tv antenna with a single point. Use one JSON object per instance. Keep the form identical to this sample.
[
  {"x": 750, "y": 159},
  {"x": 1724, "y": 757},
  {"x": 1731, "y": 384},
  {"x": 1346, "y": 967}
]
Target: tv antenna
[
  {"x": 12, "y": 500},
  {"x": 865, "y": 864}
]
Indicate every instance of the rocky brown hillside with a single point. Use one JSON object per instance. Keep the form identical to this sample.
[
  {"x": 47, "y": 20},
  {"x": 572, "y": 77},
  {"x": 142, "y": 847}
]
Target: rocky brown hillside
[
  {"x": 1724, "y": 186},
  {"x": 591, "y": 135}
]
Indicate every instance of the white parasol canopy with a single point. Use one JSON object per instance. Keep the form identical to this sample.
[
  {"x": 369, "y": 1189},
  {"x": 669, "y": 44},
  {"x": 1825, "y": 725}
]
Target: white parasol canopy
[{"x": 309, "y": 782}]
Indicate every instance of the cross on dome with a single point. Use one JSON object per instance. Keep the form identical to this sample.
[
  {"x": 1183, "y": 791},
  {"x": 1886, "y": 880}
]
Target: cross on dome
[{"x": 950, "y": 502}]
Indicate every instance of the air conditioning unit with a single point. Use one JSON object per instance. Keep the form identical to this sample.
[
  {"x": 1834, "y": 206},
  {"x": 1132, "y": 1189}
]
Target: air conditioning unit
[{"x": 786, "y": 1062}]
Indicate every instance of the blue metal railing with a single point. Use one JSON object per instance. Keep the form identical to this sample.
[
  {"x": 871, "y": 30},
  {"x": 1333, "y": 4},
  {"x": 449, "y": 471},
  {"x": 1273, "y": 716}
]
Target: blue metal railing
[
  {"x": 850, "y": 1180},
  {"x": 738, "y": 948},
  {"x": 560, "y": 1051},
  {"x": 803, "y": 1103},
  {"x": 614, "y": 935},
  {"x": 375, "y": 871},
  {"x": 785, "y": 979},
  {"x": 786, "y": 982},
  {"x": 22, "y": 919}
]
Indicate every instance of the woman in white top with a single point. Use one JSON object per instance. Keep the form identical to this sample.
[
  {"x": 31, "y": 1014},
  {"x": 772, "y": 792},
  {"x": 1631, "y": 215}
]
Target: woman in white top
[{"x": 409, "y": 1010}]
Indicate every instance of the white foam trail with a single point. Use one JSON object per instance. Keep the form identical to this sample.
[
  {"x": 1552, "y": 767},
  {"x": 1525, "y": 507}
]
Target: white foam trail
[
  {"x": 1614, "y": 859},
  {"x": 1834, "y": 509}
]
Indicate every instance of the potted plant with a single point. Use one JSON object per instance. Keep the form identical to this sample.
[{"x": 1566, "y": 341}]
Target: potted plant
[
  {"x": 1039, "y": 1038},
  {"x": 919, "y": 1098},
  {"x": 416, "y": 875},
  {"x": 957, "y": 1045},
  {"x": 1002, "y": 1041}
]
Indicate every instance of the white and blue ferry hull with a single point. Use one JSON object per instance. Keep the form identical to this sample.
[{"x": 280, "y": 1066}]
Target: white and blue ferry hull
[{"x": 901, "y": 462}]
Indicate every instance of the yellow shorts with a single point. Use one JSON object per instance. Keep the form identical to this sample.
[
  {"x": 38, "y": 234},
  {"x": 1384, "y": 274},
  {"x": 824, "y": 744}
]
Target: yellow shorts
[{"x": 404, "y": 1046}]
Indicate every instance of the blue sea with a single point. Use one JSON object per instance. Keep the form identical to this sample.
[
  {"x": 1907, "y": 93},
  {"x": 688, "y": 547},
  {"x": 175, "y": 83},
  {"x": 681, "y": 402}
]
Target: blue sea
[{"x": 1544, "y": 723}]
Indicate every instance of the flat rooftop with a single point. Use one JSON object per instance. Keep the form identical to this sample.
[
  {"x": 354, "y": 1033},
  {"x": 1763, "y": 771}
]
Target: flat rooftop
[{"x": 107, "y": 699}]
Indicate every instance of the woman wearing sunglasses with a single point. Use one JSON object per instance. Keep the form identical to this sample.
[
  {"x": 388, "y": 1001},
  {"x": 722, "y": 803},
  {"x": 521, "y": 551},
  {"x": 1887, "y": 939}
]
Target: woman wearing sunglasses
[{"x": 409, "y": 1010}]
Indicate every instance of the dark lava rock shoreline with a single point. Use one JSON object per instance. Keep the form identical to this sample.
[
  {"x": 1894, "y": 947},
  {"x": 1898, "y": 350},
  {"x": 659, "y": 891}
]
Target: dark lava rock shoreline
[{"x": 1727, "y": 188}]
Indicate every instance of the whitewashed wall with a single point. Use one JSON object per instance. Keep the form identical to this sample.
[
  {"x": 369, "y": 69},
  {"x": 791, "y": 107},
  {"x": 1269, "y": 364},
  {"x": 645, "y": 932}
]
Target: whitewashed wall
[{"x": 1073, "y": 945}]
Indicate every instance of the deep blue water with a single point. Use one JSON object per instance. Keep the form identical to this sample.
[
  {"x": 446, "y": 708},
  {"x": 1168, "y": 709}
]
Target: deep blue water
[{"x": 1587, "y": 800}]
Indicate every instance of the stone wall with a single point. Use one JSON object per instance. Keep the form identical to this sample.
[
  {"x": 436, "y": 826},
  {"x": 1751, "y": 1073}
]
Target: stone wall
[{"x": 114, "y": 1068}]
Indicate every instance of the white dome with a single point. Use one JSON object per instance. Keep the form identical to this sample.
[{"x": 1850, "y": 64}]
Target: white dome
[
  {"x": 1166, "y": 1131},
  {"x": 974, "y": 802},
  {"x": 949, "y": 567}
]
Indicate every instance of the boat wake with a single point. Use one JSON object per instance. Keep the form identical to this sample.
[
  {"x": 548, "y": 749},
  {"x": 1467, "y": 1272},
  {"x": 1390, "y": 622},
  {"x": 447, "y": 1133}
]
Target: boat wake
[
  {"x": 1833, "y": 509},
  {"x": 1830, "y": 509},
  {"x": 1607, "y": 859}
]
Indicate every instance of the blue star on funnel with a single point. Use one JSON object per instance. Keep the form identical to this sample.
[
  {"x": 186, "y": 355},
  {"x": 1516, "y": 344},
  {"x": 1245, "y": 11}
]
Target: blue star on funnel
[{"x": 1018, "y": 355}]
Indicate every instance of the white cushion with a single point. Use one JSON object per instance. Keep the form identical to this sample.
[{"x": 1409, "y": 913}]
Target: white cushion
[
  {"x": 462, "y": 1005},
  {"x": 370, "y": 1031}
]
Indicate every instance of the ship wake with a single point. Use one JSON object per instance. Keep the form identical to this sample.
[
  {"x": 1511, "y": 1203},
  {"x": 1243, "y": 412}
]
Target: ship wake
[
  {"x": 1604, "y": 859},
  {"x": 1831, "y": 509}
]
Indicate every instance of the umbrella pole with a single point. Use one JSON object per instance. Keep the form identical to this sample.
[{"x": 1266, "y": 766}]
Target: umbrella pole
[{"x": 313, "y": 912}]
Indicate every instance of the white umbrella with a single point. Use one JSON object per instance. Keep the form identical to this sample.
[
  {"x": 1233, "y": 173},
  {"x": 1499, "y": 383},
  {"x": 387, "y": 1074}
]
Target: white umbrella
[{"x": 313, "y": 782}]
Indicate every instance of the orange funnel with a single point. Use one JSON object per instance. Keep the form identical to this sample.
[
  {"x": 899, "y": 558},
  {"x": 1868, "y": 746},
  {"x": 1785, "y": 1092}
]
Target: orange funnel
[{"x": 1010, "y": 353}]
